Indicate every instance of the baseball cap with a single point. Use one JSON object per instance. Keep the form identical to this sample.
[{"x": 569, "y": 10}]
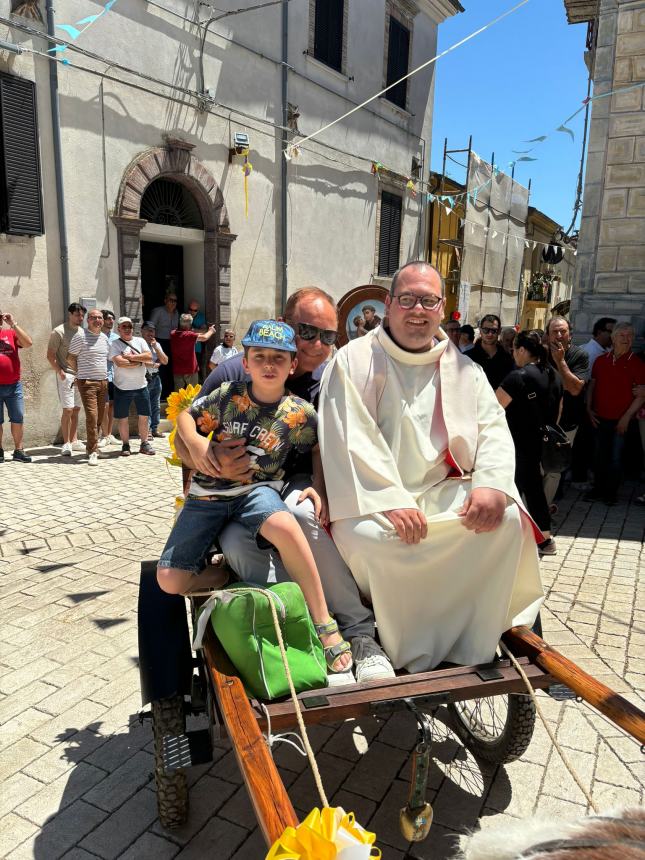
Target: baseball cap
[
  {"x": 122, "y": 320},
  {"x": 149, "y": 324},
  {"x": 271, "y": 334}
]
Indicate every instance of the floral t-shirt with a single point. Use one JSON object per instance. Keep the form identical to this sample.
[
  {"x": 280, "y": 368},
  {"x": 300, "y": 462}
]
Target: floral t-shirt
[{"x": 271, "y": 431}]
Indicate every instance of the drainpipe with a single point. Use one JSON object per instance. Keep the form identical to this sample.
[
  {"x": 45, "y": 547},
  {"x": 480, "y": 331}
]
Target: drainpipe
[
  {"x": 283, "y": 160},
  {"x": 58, "y": 161}
]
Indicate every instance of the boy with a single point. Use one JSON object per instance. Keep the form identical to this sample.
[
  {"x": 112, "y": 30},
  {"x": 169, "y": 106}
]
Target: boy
[{"x": 272, "y": 422}]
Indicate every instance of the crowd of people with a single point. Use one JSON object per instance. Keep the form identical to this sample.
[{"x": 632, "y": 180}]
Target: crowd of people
[{"x": 109, "y": 373}]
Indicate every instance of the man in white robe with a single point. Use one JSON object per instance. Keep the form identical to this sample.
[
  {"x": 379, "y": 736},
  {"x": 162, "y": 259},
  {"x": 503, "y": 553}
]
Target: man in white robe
[{"x": 419, "y": 466}]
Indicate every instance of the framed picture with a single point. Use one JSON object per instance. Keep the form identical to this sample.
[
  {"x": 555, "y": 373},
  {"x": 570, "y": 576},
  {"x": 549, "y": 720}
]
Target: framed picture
[{"x": 359, "y": 311}]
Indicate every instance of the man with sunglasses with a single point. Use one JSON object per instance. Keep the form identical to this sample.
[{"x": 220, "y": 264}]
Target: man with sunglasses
[
  {"x": 88, "y": 359},
  {"x": 130, "y": 355},
  {"x": 165, "y": 319},
  {"x": 419, "y": 466},
  {"x": 312, "y": 314},
  {"x": 489, "y": 353}
]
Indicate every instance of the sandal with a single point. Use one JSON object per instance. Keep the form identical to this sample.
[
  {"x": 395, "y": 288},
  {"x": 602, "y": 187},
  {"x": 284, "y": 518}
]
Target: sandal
[{"x": 333, "y": 652}]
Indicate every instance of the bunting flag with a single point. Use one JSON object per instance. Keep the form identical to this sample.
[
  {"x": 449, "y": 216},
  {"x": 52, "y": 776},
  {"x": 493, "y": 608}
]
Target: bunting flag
[
  {"x": 73, "y": 32},
  {"x": 411, "y": 188}
]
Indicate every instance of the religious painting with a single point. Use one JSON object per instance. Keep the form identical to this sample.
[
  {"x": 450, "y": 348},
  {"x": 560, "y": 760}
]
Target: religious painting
[{"x": 359, "y": 311}]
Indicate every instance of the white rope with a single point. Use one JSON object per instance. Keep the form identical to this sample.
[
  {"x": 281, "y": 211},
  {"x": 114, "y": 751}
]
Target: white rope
[
  {"x": 550, "y": 732},
  {"x": 287, "y": 152},
  {"x": 281, "y": 737}
]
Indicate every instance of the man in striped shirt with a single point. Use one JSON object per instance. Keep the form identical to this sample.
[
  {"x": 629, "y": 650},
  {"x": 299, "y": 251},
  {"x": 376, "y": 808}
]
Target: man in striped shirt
[{"x": 87, "y": 358}]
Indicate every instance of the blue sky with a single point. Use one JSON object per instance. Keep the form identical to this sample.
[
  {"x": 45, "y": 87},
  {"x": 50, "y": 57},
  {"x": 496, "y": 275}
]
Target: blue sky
[{"x": 517, "y": 80}]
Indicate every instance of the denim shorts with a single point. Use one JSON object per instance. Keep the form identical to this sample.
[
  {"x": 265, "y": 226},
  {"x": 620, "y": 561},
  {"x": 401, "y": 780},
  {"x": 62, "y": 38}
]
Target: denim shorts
[
  {"x": 11, "y": 397},
  {"x": 123, "y": 399},
  {"x": 201, "y": 521}
]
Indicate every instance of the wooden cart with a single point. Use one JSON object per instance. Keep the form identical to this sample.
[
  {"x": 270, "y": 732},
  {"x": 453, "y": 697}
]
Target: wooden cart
[{"x": 491, "y": 711}]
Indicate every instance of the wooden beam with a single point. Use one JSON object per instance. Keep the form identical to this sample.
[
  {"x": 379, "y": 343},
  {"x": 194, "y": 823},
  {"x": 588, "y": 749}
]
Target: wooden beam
[{"x": 628, "y": 717}]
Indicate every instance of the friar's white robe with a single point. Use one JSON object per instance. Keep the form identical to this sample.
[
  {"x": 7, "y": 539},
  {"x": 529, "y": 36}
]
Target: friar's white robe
[{"x": 389, "y": 439}]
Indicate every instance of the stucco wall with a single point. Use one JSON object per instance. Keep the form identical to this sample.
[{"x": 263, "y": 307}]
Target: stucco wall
[{"x": 106, "y": 123}]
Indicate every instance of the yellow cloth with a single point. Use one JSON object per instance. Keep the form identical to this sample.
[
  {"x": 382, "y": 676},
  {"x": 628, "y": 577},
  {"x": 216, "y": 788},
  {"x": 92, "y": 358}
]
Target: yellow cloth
[{"x": 327, "y": 834}]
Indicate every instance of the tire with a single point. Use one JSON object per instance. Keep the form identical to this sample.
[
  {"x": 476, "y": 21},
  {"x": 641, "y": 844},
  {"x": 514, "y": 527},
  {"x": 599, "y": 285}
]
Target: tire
[
  {"x": 168, "y": 718},
  {"x": 497, "y": 729}
]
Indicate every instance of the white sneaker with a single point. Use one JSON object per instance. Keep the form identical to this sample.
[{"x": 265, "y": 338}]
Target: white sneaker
[
  {"x": 102, "y": 442},
  {"x": 370, "y": 660},
  {"x": 93, "y": 459},
  {"x": 77, "y": 445},
  {"x": 111, "y": 440},
  {"x": 66, "y": 450}
]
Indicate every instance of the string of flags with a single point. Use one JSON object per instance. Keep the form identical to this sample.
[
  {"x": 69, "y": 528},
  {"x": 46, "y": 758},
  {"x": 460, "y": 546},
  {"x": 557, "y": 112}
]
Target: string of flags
[
  {"x": 73, "y": 32},
  {"x": 529, "y": 244}
]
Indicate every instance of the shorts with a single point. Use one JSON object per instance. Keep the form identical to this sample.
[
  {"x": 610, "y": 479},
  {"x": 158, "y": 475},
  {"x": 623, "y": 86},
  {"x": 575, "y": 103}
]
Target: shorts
[
  {"x": 201, "y": 521},
  {"x": 123, "y": 399},
  {"x": 68, "y": 394},
  {"x": 109, "y": 394},
  {"x": 11, "y": 397}
]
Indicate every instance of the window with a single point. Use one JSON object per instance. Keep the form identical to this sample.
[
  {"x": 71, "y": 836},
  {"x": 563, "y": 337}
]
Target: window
[
  {"x": 21, "y": 207},
  {"x": 398, "y": 52},
  {"x": 329, "y": 17},
  {"x": 389, "y": 234}
]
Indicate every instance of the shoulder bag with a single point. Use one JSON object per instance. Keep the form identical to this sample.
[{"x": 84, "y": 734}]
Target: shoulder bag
[{"x": 556, "y": 449}]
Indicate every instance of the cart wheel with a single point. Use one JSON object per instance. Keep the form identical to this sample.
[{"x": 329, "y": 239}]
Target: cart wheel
[
  {"x": 168, "y": 718},
  {"x": 497, "y": 729}
]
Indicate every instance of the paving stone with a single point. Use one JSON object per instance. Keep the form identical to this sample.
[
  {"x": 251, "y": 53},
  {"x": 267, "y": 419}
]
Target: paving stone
[
  {"x": 16, "y": 789},
  {"x": 61, "y": 832},
  {"x": 14, "y": 757},
  {"x": 56, "y": 796},
  {"x": 228, "y": 837},
  {"x": 13, "y": 831},
  {"x": 123, "y": 827},
  {"x": 150, "y": 847},
  {"x": 374, "y": 773},
  {"x": 83, "y": 715},
  {"x": 122, "y": 783}
]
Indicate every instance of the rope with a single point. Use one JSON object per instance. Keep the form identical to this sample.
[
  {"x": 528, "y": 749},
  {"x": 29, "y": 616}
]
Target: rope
[{"x": 550, "y": 732}]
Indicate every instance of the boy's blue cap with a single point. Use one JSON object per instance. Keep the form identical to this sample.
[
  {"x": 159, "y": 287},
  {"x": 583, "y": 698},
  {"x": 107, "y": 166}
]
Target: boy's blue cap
[{"x": 271, "y": 334}]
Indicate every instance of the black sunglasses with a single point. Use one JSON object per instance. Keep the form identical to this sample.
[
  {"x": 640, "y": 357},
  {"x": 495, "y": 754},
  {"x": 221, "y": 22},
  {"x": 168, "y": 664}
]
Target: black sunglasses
[
  {"x": 490, "y": 330},
  {"x": 311, "y": 332}
]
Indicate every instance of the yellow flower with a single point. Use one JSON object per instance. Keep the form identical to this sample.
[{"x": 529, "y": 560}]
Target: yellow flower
[{"x": 177, "y": 402}]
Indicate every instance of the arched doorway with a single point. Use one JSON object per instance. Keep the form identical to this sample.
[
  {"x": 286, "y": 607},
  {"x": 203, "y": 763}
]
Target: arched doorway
[{"x": 170, "y": 186}]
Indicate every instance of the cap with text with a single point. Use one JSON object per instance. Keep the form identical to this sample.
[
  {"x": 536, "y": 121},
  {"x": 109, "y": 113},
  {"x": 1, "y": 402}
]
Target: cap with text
[{"x": 270, "y": 334}]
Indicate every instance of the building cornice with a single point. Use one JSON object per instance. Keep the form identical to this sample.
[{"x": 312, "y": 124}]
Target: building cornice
[
  {"x": 581, "y": 11},
  {"x": 439, "y": 10}
]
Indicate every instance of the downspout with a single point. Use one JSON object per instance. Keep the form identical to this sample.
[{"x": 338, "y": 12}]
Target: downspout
[
  {"x": 283, "y": 160},
  {"x": 58, "y": 161}
]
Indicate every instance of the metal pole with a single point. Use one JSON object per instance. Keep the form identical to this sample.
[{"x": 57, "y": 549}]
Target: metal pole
[
  {"x": 283, "y": 160},
  {"x": 58, "y": 161},
  {"x": 486, "y": 237}
]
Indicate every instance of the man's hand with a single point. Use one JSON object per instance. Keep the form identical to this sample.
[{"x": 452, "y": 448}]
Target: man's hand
[
  {"x": 593, "y": 418},
  {"x": 483, "y": 510},
  {"x": 410, "y": 524},
  {"x": 232, "y": 460},
  {"x": 319, "y": 502},
  {"x": 61, "y": 374},
  {"x": 623, "y": 424},
  {"x": 557, "y": 352},
  {"x": 8, "y": 318}
]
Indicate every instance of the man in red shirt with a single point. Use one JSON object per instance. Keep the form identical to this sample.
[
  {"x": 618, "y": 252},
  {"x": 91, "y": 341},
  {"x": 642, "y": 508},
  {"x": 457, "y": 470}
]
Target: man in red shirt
[
  {"x": 611, "y": 404},
  {"x": 12, "y": 339},
  {"x": 182, "y": 351}
]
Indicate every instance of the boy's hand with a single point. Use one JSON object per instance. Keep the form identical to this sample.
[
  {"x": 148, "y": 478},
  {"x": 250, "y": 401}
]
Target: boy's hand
[
  {"x": 320, "y": 504},
  {"x": 201, "y": 457},
  {"x": 232, "y": 460}
]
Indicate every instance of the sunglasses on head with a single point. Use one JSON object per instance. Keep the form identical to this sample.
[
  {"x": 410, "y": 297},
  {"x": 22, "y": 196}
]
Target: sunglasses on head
[{"x": 311, "y": 332}]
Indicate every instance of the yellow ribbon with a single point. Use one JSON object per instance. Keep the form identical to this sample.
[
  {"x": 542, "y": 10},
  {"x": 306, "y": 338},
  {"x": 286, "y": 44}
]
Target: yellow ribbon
[{"x": 324, "y": 835}]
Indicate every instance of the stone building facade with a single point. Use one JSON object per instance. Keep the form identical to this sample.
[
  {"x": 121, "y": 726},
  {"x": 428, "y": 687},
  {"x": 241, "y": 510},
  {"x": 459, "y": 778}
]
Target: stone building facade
[{"x": 610, "y": 276}]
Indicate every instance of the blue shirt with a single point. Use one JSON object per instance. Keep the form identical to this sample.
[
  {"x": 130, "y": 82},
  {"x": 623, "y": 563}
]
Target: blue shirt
[{"x": 199, "y": 322}]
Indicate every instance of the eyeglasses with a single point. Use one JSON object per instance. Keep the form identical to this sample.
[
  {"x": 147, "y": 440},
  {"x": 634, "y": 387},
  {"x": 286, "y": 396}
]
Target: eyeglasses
[
  {"x": 409, "y": 301},
  {"x": 486, "y": 330},
  {"x": 95, "y": 319},
  {"x": 172, "y": 301},
  {"x": 312, "y": 332}
]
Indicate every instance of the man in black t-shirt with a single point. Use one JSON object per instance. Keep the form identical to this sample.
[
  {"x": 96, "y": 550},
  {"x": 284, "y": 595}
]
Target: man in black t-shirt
[
  {"x": 488, "y": 351},
  {"x": 572, "y": 363}
]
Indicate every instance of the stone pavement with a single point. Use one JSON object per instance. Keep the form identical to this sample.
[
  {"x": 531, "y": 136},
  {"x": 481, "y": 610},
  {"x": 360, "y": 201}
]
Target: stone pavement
[{"x": 76, "y": 763}]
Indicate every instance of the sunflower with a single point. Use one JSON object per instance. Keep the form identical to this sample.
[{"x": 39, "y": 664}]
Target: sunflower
[{"x": 177, "y": 402}]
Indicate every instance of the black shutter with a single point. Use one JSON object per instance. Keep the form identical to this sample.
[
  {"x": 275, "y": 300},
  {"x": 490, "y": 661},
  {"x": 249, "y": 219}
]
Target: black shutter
[
  {"x": 389, "y": 234},
  {"x": 398, "y": 49},
  {"x": 328, "y": 32},
  {"x": 21, "y": 207}
]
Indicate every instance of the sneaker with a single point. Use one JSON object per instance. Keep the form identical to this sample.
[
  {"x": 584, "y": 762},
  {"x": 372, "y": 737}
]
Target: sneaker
[
  {"x": 111, "y": 440},
  {"x": 20, "y": 456},
  {"x": 66, "y": 450},
  {"x": 102, "y": 443},
  {"x": 158, "y": 434},
  {"x": 77, "y": 445},
  {"x": 547, "y": 547},
  {"x": 1, "y": 455},
  {"x": 340, "y": 679},
  {"x": 93, "y": 459},
  {"x": 370, "y": 660},
  {"x": 125, "y": 449},
  {"x": 146, "y": 448}
]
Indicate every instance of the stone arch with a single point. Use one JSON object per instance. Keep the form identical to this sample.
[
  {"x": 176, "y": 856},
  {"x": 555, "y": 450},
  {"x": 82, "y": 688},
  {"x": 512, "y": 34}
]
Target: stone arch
[{"x": 174, "y": 160}]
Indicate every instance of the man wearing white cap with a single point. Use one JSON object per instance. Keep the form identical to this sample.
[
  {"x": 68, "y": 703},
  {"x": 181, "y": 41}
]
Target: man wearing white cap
[{"x": 130, "y": 355}]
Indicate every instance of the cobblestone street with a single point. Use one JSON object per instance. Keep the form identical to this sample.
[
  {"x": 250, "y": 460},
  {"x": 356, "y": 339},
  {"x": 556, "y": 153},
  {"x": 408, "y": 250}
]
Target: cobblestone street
[{"x": 76, "y": 763}]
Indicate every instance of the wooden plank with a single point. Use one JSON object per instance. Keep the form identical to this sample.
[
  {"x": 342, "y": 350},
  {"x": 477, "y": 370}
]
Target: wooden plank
[
  {"x": 521, "y": 640},
  {"x": 455, "y": 684},
  {"x": 269, "y": 797}
]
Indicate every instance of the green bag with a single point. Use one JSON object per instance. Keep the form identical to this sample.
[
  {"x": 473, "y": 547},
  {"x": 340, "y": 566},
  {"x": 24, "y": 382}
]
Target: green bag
[{"x": 243, "y": 622}]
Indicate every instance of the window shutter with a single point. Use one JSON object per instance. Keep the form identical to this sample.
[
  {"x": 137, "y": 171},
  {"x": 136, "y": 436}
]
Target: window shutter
[
  {"x": 389, "y": 234},
  {"x": 328, "y": 32},
  {"x": 398, "y": 50},
  {"x": 21, "y": 207}
]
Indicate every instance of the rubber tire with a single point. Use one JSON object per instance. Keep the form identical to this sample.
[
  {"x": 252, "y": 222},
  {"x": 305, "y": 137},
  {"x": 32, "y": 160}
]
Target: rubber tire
[
  {"x": 168, "y": 718},
  {"x": 511, "y": 743}
]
